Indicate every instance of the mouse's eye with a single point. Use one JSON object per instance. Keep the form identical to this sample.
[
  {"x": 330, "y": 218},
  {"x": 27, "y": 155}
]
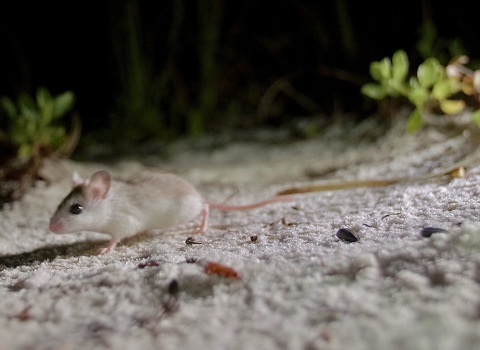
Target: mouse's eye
[{"x": 76, "y": 209}]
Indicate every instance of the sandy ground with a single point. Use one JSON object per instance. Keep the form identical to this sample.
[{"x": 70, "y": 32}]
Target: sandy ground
[{"x": 299, "y": 286}]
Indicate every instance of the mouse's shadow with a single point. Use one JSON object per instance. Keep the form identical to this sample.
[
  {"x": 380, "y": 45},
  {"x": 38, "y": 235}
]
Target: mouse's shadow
[{"x": 48, "y": 253}]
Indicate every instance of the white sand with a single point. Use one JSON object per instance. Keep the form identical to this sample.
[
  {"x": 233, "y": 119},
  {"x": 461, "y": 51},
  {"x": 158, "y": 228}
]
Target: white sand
[{"x": 300, "y": 287}]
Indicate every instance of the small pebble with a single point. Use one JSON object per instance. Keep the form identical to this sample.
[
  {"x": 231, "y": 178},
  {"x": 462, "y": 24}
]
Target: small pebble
[
  {"x": 148, "y": 263},
  {"x": 254, "y": 238},
  {"x": 347, "y": 235},
  {"x": 428, "y": 231}
]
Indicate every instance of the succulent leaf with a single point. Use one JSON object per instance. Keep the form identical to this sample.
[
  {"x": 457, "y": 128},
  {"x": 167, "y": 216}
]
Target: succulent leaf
[
  {"x": 429, "y": 72},
  {"x": 400, "y": 66},
  {"x": 415, "y": 121},
  {"x": 452, "y": 106}
]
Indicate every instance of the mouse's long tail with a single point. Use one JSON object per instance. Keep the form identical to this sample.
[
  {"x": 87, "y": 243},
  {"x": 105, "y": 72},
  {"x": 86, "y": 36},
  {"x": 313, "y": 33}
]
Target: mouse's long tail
[{"x": 226, "y": 207}]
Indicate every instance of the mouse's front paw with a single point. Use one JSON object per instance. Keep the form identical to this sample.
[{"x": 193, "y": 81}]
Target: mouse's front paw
[
  {"x": 111, "y": 246},
  {"x": 102, "y": 251}
]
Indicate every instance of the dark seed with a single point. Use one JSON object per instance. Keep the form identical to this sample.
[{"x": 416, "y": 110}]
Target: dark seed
[
  {"x": 254, "y": 238},
  {"x": 190, "y": 241},
  {"x": 428, "y": 231},
  {"x": 173, "y": 288},
  {"x": 347, "y": 235}
]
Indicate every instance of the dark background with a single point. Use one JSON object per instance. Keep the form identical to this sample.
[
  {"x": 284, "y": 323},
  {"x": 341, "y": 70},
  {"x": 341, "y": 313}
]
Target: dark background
[{"x": 321, "y": 48}]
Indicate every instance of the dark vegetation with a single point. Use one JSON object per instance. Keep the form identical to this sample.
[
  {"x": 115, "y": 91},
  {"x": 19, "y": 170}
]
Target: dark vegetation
[{"x": 167, "y": 69}]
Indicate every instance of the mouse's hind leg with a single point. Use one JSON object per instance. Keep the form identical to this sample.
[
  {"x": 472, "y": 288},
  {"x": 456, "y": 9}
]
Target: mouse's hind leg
[{"x": 204, "y": 222}]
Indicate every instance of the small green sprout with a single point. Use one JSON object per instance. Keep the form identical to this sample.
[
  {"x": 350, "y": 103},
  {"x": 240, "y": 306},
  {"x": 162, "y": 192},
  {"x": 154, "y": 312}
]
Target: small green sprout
[
  {"x": 31, "y": 125},
  {"x": 433, "y": 86}
]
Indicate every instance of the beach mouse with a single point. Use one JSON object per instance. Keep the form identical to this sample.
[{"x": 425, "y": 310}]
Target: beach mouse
[{"x": 124, "y": 208}]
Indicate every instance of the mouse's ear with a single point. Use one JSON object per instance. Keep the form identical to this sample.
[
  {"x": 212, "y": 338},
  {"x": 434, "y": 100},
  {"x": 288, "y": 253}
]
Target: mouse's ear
[
  {"x": 99, "y": 185},
  {"x": 77, "y": 179}
]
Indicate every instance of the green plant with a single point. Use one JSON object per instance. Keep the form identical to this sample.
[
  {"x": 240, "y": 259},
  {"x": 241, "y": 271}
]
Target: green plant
[
  {"x": 33, "y": 124},
  {"x": 433, "y": 86}
]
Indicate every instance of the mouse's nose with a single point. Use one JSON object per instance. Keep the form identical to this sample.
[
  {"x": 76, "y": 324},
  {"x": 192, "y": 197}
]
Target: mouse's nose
[{"x": 56, "y": 226}]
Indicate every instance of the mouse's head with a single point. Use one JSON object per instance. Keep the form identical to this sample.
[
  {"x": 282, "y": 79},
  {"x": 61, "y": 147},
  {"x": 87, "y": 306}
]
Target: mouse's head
[{"x": 83, "y": 209}]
